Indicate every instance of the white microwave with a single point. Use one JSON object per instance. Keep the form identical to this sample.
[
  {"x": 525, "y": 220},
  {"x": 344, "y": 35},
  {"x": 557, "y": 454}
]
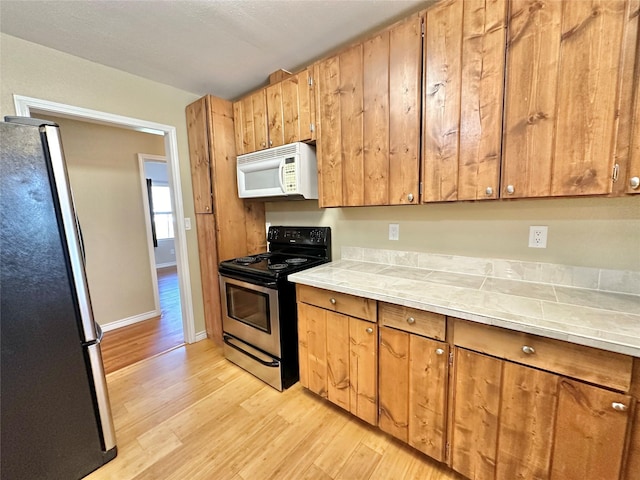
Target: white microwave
[{"x": 286, "y": 172}]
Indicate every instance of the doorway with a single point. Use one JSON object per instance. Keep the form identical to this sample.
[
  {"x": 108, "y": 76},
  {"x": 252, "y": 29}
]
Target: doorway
[{"x": 25, "y": 106}]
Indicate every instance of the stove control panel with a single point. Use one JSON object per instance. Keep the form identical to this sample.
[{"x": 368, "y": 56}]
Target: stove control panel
[{"x": 300, "y": 235}]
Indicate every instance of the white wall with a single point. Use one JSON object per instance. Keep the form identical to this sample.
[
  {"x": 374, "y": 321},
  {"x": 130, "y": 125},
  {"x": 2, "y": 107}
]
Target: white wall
[{"x": 32, "y": 70}]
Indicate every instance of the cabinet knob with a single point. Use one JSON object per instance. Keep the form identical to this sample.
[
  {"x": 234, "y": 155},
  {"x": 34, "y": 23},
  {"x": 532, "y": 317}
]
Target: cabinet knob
[
  {"x": 510, "y": 189},
  {"x": 528, "y": 350},
  {"x": 634, "y": 182},
  {"x": 271, "y": 143},
  {"x": 489, "y": 191},
  {"x": 332, "y": 300},
  {"x": 206, "y": 208},
  {"x": 411, "y": 320},
  {"x": 369, "y": 330},
  {"x": 620, "y": 407},
  {"x": 439, "y": 351},
  {"x": 410, "y": 197}
]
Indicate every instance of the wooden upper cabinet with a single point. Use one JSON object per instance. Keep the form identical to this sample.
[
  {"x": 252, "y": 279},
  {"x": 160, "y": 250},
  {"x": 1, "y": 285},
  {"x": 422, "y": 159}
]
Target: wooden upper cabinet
[
  {"x": 628, "y": 144},
  {"x": 279, "y": 114},
  {"x": 368, "y": 116},
  {"x": 198, "y": 122},
  {"x": 250, "y": 122},
  {"x": 464, "y": 45},
  {"x": 562, "y": 96}
]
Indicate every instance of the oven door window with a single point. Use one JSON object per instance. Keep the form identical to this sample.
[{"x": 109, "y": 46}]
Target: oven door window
[{"x": 249, "y": 307}]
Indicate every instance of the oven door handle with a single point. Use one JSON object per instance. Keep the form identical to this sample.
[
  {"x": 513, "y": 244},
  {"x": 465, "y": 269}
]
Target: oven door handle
[{"x": 227, "y": 340}]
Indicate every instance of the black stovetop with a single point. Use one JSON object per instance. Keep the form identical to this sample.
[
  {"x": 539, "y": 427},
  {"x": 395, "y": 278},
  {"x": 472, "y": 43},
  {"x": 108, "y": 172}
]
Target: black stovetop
[{"x": 291, "y": 249}]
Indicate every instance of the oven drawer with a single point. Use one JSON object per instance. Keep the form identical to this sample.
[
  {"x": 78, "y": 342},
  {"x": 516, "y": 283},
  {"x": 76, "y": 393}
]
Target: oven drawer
[
  {"x": 592, "y": 365},
  {"x": 411, "y": 320},
  {"x": 358, "y": 307}
]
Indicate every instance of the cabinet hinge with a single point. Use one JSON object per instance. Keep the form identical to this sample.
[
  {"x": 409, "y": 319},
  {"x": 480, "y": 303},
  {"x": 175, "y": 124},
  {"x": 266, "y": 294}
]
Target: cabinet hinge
[
  {"x": 450, "y": 358},
  {"x": 312, "y": 127},
  {"x": 420, "y": 189},
  {"x": 616, "y": 171},
  {"x": 310, "y": 80},
  {"x": 447, "y": 451},
  {"x": 422, "y": 29}
]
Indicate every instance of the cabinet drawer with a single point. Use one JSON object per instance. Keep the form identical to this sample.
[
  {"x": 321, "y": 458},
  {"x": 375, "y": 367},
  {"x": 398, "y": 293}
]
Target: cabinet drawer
[
  {"x": 412, "y": 320},
  {"x": 593, "y": 365},
  {"x": 359, "y": 307}
]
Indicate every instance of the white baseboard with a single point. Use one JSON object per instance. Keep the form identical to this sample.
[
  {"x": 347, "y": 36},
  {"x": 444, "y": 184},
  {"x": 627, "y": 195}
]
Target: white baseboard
[
  {"x": 165, "y": 265},
  {"x": 130, "y": 320},
  {"x": 201, "y": 335}
]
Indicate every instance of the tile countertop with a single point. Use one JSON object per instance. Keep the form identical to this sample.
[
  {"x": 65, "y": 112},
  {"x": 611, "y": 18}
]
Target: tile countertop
[{"x": 576, "y": 304}]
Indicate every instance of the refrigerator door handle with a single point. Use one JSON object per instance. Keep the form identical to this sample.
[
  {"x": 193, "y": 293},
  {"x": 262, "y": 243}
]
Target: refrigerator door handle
[
  {"x": 53, "y": 144},
  {"x": 99, "y": 332}
]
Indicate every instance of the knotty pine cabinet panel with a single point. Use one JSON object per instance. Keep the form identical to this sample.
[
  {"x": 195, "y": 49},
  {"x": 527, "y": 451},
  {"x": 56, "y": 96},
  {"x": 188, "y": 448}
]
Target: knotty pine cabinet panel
[
  {"x": 512, "y": 421},
  {"x": 464, "y": 46},
  {"x": 561, "y": 98},
  {"x": 228, "y": 226},
  {"x": 276, "y": 115},
  {"x": 368, "y": 118},
  {"x": 250, "y": 122},
  {"x": 413, "y": 383},
  {"x": 338, "y": 357},
  {"x": 627, "y": 153}
]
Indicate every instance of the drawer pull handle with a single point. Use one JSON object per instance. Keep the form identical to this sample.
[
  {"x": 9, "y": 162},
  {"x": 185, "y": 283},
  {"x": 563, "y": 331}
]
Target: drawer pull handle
[
  {"x": 411, "y": 320},
  {"x": 333, "y": 301},
  {"x": 620, "y": 407},
  {"x": 369, "y": 330},
  {"x": 528, "y": 350},
  {"x": 439, "y": 351}
]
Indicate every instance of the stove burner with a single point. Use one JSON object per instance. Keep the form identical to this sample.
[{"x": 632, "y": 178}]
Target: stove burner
[
  {"x": 277, "y": 266},
  {"x": 296, "y": 261},
  {"x": 246, "y": 260},
  {"x": 264, "y": 255}
]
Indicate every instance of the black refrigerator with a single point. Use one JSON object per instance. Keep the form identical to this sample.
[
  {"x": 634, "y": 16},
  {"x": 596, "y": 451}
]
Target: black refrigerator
[{"x": 55, "y": 417}]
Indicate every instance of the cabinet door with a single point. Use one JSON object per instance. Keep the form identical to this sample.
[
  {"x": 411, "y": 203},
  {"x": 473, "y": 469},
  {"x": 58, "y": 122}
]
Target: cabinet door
[
  {"x": 312, "y": 345},
  {"x": 413, "y": 387},
  {"x": 198, "y": 134},
  {"x": 393, "y": 371},
  {"x": 275, "y": 115},
  {"x": 250, "y": 118},
  {"x": 428, "y": 380},
  {"x": 464, "y": 46},
  {"x": 338, "y": 359},
  {"x": 562, "y": 89},
  {"x": 363, "y": 370},
  {"x": 590, "y": 430},
  {"x": 368, "y": 120},
  {"x": 297, "y": 108},
  {"x": 476, "y": 409}
]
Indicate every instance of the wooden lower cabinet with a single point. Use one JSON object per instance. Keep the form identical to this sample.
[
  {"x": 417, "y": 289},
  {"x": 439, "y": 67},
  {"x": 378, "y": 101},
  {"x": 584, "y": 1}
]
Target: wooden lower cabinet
[
  {"x": 511, "y": 421},
  {"x": 413, "y": 378},
  {"x": 339, "y": 359}
]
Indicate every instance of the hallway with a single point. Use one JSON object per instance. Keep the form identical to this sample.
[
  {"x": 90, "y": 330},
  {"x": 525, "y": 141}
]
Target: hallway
[{"x": 128, "y": 345}]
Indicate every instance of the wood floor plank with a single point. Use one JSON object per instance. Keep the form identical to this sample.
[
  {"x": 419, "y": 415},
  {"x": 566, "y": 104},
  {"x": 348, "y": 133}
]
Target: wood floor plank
[
  {"x": 128, "y": 345},
  {"x": 191, "y": 414}
]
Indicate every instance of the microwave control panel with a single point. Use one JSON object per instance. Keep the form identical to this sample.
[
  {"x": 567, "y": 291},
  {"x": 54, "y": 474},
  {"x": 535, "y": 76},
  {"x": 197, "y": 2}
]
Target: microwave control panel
[{"x": 289, "y": 174}]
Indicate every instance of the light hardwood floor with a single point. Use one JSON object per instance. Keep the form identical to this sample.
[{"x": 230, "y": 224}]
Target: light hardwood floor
[
  {"x": 133, "y": 343},
  {"x": 190, "y": 414}
]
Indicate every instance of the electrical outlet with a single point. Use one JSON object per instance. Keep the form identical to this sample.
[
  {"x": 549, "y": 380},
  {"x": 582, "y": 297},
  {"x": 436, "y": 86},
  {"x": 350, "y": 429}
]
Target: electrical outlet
[
  {"x": 538, "y": 236},
  {"x": 394, "y": 231}
]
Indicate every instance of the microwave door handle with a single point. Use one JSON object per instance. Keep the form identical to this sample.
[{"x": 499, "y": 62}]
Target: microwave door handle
[{"x": 280, "y": 177}]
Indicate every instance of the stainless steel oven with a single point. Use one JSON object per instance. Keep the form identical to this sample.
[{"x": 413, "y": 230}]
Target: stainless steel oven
[
  {"x": 259, "y": 318},
  {"x": 251, "y": 313}
]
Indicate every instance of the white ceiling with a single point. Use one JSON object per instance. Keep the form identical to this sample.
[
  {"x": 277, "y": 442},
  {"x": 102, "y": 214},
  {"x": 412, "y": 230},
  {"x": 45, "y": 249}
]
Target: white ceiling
[{"x": 223, "y": 47}]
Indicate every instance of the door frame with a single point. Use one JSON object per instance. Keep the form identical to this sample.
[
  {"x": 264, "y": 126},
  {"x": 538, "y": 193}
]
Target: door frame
[
  {"x": 24, "y": 105},
  {"x": 142, "y": 157}
]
